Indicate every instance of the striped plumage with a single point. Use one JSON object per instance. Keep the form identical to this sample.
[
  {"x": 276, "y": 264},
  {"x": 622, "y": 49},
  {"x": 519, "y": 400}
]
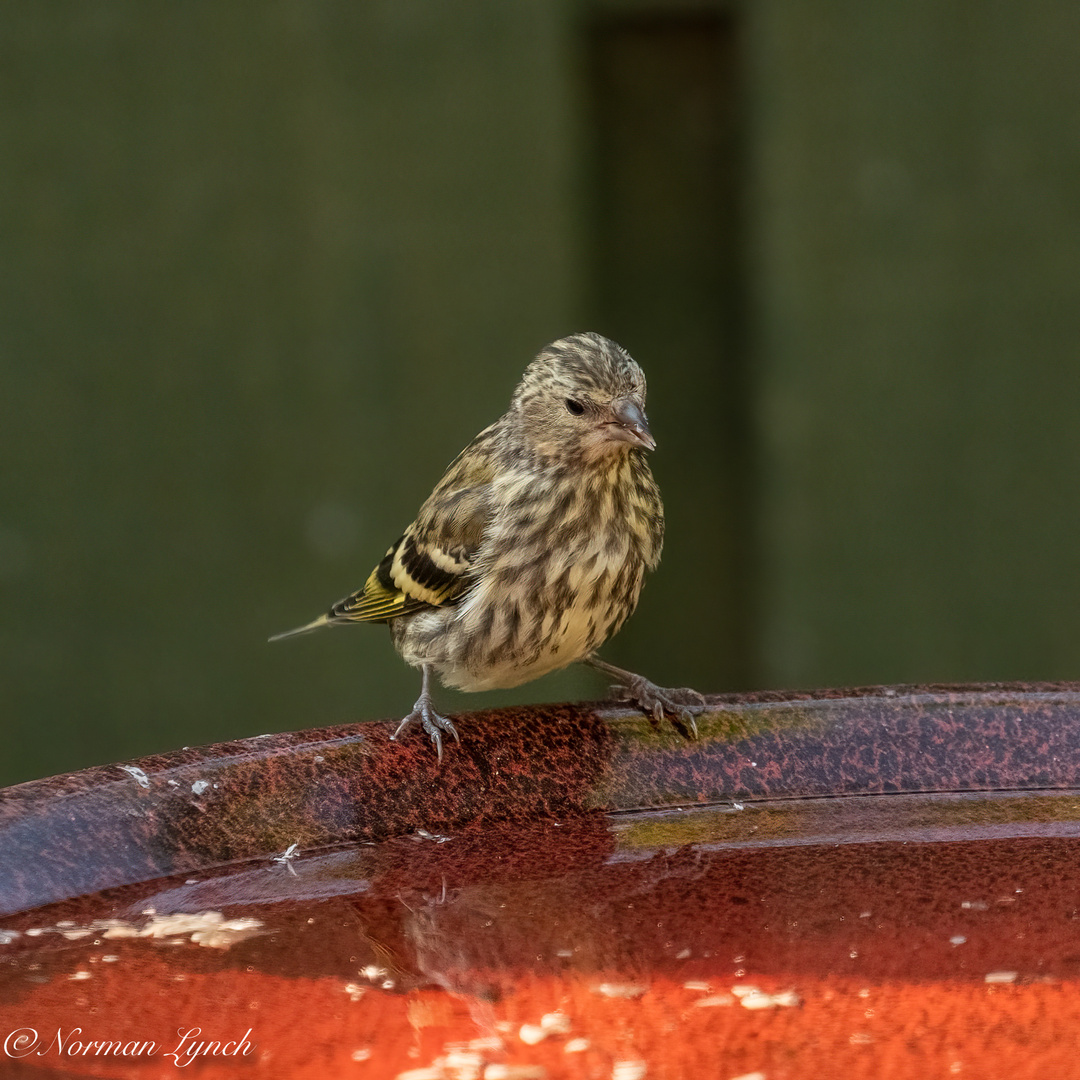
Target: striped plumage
[{"x": 532, "y": 549}]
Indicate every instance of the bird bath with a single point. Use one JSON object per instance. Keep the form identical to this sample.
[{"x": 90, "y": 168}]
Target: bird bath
[{"x": 843, "y": 883}]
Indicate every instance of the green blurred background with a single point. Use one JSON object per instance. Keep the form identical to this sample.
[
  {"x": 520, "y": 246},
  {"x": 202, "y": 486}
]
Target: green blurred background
[{"x": 265, "y": 268}]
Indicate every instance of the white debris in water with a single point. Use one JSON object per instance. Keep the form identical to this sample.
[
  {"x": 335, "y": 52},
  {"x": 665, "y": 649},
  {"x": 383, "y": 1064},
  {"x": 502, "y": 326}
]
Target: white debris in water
[
  {"x": 975, "y": 905},
  {"x": 577, "y": 1046},
  {"x": 286, "y": 857},
  {"x": 461, "y": 1063},
  {"x": 754, "y": 998},
  {"x": 79, "y": 976},
  {"x": 957, "y": 939},
  {"x": 291, "y": 852},
  {"x": 136, "y": 774},
  {"x": 714, "y": 1000},
  {"x": 621, "y": 990},
  {"x": 120, "y": 930},
  {"x": 208, "y": 928},
  {"x": 200, "y": 786},
  {"x": 531, "y": 1034},
  {"x": 629, "y": 1070},
  {"x": 1001, "y": 976},
  {"x": 555, "y": 1023},
  {"x": 423, "y": 834},
  {"x": 750, "y": 1076}
]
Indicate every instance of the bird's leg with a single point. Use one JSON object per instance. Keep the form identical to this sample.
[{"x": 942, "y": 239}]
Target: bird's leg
[
  {"x": 653, "y": 700},
  {"x": 424, "y": 711}
]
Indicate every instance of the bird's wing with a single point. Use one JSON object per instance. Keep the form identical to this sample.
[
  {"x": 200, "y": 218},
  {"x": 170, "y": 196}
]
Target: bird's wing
[{"x": 431, "y": 564}]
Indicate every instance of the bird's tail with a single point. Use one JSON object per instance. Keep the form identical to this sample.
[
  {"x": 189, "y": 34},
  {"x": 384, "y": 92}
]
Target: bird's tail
[{"x": 315, "y": 624}]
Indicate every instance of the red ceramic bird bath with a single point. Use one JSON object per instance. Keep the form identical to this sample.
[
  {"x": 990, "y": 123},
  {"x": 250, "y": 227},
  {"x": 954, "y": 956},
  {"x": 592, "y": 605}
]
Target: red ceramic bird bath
[{"x": 870, "y": 883}]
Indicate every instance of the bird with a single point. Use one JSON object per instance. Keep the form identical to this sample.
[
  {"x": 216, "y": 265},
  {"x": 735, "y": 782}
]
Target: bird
[{"x": 532, "y": 549}]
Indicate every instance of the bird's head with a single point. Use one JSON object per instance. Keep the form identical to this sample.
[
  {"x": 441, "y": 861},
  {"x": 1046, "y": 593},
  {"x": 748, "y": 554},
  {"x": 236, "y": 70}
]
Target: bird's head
[{"x": 583, "y": 397}]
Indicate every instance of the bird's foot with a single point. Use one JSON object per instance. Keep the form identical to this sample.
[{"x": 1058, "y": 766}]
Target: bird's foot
[
  {"x": 430, "y": 720},
  {"x": 678, "y": 703}
]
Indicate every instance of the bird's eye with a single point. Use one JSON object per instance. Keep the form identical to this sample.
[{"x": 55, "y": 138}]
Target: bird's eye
[{"x": 575, "y": 406}]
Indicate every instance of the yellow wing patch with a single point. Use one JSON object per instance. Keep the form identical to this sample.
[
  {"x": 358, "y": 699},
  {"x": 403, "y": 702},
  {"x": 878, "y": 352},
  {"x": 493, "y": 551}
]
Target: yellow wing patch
[
  {"x": 375, "y": 602},
  {"x": 432, "y": 564}
]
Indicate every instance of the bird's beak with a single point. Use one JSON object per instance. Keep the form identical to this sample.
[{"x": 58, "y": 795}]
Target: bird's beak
[{"x": 630, "y": 424}]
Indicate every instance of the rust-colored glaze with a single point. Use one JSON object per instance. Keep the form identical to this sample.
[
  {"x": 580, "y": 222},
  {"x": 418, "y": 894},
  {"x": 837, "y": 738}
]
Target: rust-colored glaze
[
  {"x": 214, "y": 805},
  {"x": 643, "y": 930},
  {"x": 896, "y": 872},
  {"x": 313, "y": 1030}
]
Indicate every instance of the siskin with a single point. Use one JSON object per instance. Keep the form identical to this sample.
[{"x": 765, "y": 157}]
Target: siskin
[{"x": 531, "y": 551}]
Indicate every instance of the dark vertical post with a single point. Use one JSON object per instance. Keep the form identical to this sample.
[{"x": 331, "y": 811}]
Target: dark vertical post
[{"x": 668, "y": 284}]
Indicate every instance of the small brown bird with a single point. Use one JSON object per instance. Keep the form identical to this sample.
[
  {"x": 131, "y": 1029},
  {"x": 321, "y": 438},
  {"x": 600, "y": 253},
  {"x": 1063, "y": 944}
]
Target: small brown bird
[{"x": 531, "y": 551}]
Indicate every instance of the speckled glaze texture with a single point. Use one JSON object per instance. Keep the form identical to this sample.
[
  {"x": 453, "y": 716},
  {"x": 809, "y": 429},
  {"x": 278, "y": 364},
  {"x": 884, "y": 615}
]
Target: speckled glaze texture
[
  {"x": 857, "y": 883},
  {"x": 210, "y": 806}
]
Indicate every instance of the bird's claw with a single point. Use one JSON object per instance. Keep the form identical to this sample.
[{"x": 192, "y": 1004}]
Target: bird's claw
[
  {"x": 680, "y": 703},
  {"x": 431, "y": 721}
]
